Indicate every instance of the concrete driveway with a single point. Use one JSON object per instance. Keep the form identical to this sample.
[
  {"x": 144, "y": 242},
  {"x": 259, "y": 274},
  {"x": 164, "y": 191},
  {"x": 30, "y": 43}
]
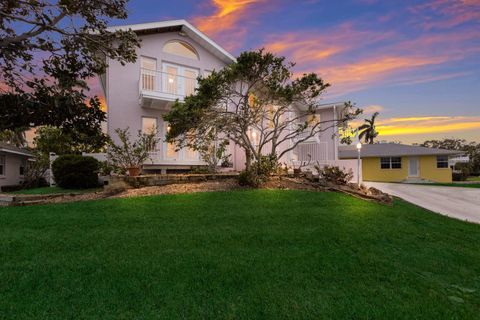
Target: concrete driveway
[{"x": 456, "y": 202}]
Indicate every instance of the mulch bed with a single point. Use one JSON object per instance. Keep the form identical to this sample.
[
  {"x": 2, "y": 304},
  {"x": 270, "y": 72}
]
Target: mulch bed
[{"x": 284, "y": 183}]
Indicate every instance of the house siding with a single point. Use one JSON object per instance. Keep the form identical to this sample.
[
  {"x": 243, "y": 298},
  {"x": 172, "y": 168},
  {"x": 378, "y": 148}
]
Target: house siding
[
  {"x": 372, "y": 171},
  {"x": 12, "y": 170},
  {"x": 123, "y": 107},
  {"x": 429, "y": 170},
  {"x": 427, "y": 167}
]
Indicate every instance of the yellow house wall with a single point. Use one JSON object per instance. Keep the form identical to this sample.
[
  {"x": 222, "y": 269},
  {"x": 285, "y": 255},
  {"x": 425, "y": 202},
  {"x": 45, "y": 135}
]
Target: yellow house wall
[
  {"x": 371, "y": 171},
  {"x": 428, "y": 170}
]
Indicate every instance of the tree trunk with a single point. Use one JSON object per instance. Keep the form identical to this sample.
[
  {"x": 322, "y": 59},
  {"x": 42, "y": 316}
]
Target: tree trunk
[{"x": 248, "y": 159}]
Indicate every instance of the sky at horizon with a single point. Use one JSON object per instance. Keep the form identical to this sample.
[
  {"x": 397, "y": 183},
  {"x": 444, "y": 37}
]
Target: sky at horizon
[{"x": 415, "y": 62}]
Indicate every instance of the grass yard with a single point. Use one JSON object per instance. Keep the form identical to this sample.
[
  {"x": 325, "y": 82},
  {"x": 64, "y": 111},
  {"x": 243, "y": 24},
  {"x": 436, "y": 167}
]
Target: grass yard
[
  {"x": 53, "y": 190},
  {"x": 474, "y": 178},
  {"x": 459, "y": 185},
  {"x": 263, "y": 254}
]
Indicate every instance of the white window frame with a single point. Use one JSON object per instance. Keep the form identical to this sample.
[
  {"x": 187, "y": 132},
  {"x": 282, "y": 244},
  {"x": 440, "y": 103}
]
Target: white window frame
[
  {"x": 447, "y": 167},
  {"x": 155, "y": 148},
  {"x": 180, "y": 77},
  {"x": 150, "y": 118},
  {"x": 3, "y": 162},
  {"x": 149, "y": 74},
  {"x": 165, "y": 145},
  {"x": 187, "y": 45},
  {"x": 23, "y": 163},
  {"x": 390, "y": 162}
]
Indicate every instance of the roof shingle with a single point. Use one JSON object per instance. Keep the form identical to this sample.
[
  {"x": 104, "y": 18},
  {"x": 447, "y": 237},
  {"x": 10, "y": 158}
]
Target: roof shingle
[{"x": 391, "y": 150}]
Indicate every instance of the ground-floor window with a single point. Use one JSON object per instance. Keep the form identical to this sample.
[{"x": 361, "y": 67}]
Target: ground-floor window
[
  {"x": 442, "y": 162},
  {"x": 23, "y": 165},
  {"x": 390, "y": 162},
  {"x": 2, "y": 165},
  {"x": 149, "y": 126}
]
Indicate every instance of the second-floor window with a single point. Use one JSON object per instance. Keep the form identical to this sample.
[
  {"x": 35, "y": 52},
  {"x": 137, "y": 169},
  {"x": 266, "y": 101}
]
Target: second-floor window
[
  {"x": 181, "y": 49},
  {"x": 179, "y": 80}
]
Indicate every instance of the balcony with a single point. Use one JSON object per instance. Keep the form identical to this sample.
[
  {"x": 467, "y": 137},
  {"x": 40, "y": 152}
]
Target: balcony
[{"x": 159, "y": 90}]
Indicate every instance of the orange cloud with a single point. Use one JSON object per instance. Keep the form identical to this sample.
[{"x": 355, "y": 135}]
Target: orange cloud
[
  {"x": 364, "y": 73},
  {"x": 426, "y": 125},
  {"x": 305, "y": 47},
  {"x": 452, "y": 12},
  {"x": 231, "y": 21},
  {"x": 352, "y": 59},
  {"x": 228, "y": 13}
]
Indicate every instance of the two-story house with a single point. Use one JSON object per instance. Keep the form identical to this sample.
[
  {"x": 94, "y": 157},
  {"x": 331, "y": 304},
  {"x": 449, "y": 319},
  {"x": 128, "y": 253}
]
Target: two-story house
[{"x": 172, "y": 55}]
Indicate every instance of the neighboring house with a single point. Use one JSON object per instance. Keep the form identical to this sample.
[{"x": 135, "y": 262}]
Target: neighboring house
[
  {"x": 391, "y": 162},
  {"x": 13, "y": 162},
  {"x": 172, "y": 55},
  {"x": 458, "y": 159}
]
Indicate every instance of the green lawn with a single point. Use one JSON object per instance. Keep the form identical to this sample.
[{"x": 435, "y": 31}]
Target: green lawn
[
  {"x": 473, "y": 178},
  {"x": 460, "y": 185},
  {"x": 261, "y": 254},
  {"x": 53, "y": 190}
]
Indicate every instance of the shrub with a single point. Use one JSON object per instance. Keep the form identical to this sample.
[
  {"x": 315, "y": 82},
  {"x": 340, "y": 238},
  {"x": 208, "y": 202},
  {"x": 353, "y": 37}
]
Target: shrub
[
  {"x": 131, "y": 154},
  {"x": 75, "y": 172},
  {"x": 200, "y": 170},
  {"x": 259, "y": 172},
  {"x": 105, "y": 168},
  {"x": 334, "y": 174},
  {"x": 34, "y": 174},
  {"x": 457, "y": 176},
  {"x": 243, "y": 178},
  {"x": 462, "y": 172}
]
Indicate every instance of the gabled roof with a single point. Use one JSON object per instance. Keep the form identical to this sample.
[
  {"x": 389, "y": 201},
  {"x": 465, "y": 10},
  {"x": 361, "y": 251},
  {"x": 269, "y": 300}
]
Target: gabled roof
[
  {"x": 179, "y": 26},
  {"x": 391, "y": 150},
  {"x": 8, "y": 148}
]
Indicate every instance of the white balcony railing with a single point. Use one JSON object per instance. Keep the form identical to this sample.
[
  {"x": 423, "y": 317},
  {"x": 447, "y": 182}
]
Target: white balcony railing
[{"x": 166, "y": 84}]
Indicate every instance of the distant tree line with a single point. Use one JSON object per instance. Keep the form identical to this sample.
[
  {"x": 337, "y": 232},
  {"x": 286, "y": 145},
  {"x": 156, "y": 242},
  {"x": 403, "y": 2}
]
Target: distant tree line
[{"x": 472, "y": 149}]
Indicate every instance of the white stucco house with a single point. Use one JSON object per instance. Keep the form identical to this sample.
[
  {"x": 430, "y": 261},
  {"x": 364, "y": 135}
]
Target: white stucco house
[
  {"x": 172, "y": 55},
  {"x": 13, "y": 162}
]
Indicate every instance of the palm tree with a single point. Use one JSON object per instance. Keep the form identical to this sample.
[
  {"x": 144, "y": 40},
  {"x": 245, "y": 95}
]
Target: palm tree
[{"x": 367, "y": 130}]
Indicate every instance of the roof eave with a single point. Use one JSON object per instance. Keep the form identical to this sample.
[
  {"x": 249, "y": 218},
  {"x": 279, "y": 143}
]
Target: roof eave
[
  {"x": 188, "y": 28},
  {"x": 27, "y": 154}
]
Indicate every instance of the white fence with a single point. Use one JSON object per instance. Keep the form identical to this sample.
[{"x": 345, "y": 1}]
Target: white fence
[{"x": 315, "y": 151}]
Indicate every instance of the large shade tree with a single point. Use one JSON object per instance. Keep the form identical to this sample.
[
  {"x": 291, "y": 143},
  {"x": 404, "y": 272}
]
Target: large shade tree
[
  {"x": 49, "y": 49},
  {"x": 258, "y": 104}
]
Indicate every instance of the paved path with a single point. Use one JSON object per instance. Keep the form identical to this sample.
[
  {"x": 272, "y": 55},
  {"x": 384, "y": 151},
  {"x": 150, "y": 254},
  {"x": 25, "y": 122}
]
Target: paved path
[{"x": 457, "y": 202}]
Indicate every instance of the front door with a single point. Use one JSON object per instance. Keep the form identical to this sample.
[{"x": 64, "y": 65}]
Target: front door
[{"x": 413, "y": 167}]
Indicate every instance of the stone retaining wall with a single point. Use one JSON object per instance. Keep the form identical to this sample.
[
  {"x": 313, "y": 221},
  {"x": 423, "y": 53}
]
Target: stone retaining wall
[
  {"x": 25, "y": 199},
  {"x": 165, "y": 179}
]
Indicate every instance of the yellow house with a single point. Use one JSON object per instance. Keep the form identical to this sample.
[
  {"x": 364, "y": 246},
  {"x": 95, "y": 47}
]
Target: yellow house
[{"x": 393, "y": 162}]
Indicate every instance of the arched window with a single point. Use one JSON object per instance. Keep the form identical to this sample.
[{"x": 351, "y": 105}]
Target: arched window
[{"x": 181, "y": 49}]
